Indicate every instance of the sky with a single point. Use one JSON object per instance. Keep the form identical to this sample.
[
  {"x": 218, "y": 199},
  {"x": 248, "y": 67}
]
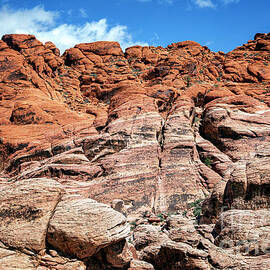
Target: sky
[{"x": 222, "y": 25}]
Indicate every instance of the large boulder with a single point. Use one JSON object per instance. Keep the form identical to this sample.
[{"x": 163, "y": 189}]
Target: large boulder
[
  {"x": 26, "y": 208},
  {"x": 180, "y": 229},
  {"x": 182, "y": 256},
  {"x": 82, "y": 227},
  {"x": 148, "y": 235}
]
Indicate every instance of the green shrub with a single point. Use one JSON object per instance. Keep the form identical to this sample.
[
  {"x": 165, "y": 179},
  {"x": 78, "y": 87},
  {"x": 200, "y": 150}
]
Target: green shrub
[
  {"x": 208, "y": 162},
  {"x": 133, "y": 225},
  {"x": 161, "y": 217},
  {"x": 188, "y": 81},
  {"x": 197, "y": 207}
]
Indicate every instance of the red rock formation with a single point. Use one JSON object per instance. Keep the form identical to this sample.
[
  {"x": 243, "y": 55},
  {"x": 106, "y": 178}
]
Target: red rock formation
[{"x": 157, "y": 128}]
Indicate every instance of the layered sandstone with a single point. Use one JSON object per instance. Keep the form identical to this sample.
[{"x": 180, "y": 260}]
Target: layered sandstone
[{"x": 149, "y": 130}]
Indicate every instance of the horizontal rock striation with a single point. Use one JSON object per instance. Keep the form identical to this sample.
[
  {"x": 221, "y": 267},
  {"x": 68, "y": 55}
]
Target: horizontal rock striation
[{"x": 158, "y": 130}]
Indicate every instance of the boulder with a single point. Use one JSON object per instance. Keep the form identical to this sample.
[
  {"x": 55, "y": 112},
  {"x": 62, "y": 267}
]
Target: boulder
[
  {"x": 140, "y": 265},
  {"x": 181, "y": 256},
  {"x": 148, "y": 235},
  {"x": 181, "y": 229},
  {"x": 26, "y": 208},
  {"x": 82, "y": 227}
]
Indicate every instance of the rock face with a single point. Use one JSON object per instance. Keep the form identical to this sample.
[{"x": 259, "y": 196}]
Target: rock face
[
  {"x": 238, "y": 241},
  {"x": 246, "y": 230},
  {"x": 155, "y": 127},
  {"x": 150, "y": 129}
]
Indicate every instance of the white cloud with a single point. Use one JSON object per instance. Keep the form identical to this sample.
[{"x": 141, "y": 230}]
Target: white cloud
[
  {"x": 43, "y": 25},
  {"x": 204, "y": 3},
  {"x": 25, "y": 20}
]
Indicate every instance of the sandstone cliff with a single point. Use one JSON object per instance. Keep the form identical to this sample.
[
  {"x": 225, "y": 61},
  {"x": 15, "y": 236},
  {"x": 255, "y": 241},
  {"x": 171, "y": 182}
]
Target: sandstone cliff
[{"x": 148, "y": 130}]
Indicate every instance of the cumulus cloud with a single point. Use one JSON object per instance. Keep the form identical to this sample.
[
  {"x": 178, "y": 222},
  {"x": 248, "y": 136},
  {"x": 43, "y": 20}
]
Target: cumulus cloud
[
  {"x": 25, "y": 20},
  {"x": 43, "y": 24},
  {"x": 204, "y": 3}
]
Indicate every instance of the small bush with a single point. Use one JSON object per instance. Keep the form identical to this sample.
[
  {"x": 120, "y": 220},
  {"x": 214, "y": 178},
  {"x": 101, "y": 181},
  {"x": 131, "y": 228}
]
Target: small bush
[
  {"x": 133, "y": 225},
  {"x": 197, "y": 207},
  {"x": 188, "y": 81},
  {"x": 208, "y": 162}
]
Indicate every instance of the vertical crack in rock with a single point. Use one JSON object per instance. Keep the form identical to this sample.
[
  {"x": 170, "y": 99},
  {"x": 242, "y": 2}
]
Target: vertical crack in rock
[
  {"x": 50, "y": 218},
  {"x": 212, "y": 164},
  {"x": 160, "y": 198},
  {"x": 160, "y": 202},
  {"x": 160, "y": 136}
]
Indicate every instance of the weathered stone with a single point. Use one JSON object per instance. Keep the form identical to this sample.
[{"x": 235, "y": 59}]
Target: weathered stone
[
  {"x": 245, "y": 231},
  {"x": 82, "y": 227},
  {"x": 11, "y": 259},
  {"x": 26, "y": 208},
  {"x": 140, "y": 265},
  {"x": 60, "y": 263},
  {"x": 182, "y": 230},
  {"x": 118, "y": 255},
  {"x": 181, "y": 256},
  {"x": 148, "y": 235}
]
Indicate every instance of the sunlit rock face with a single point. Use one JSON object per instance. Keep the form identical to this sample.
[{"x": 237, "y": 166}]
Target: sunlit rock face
[{"x": 153, "y": 128}]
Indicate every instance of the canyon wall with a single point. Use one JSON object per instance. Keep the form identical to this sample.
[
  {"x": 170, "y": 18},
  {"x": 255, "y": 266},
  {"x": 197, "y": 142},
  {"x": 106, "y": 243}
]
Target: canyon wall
[{"x": 155, "y": 128}]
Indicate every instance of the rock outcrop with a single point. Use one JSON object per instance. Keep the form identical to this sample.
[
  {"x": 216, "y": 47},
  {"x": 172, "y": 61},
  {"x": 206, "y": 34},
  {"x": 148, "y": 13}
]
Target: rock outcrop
[
  {"x": 151, "y": 131},
  {"x": 238, "y": 241},
  {"x": 39, "y": 221}
]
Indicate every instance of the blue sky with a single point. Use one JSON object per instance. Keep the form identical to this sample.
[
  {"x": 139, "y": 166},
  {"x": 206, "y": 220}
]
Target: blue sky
[{"x": 219, "y": 24}]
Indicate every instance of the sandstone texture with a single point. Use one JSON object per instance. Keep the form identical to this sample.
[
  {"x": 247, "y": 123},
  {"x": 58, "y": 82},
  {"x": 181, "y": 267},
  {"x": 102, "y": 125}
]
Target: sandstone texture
[
  {"x": 237, "y": 242},
  {"x": 175, "y": 139},
  {"x": 97, "y": 226},
  {"x": 43, "y": 228},
  {"x": 26, "y": 208}
]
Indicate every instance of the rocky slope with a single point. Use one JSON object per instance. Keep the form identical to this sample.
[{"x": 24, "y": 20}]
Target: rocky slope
[{"x": 149, "y": 131}]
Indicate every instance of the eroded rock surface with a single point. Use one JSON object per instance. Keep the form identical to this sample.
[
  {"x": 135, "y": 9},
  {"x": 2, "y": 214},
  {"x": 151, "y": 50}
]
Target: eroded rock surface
[
  {"x": 42, "y": 228},
  {"x": 97, "y": 226},
  {"x": 150, "y": 129},
  {"x": 26, "y": 208}
]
